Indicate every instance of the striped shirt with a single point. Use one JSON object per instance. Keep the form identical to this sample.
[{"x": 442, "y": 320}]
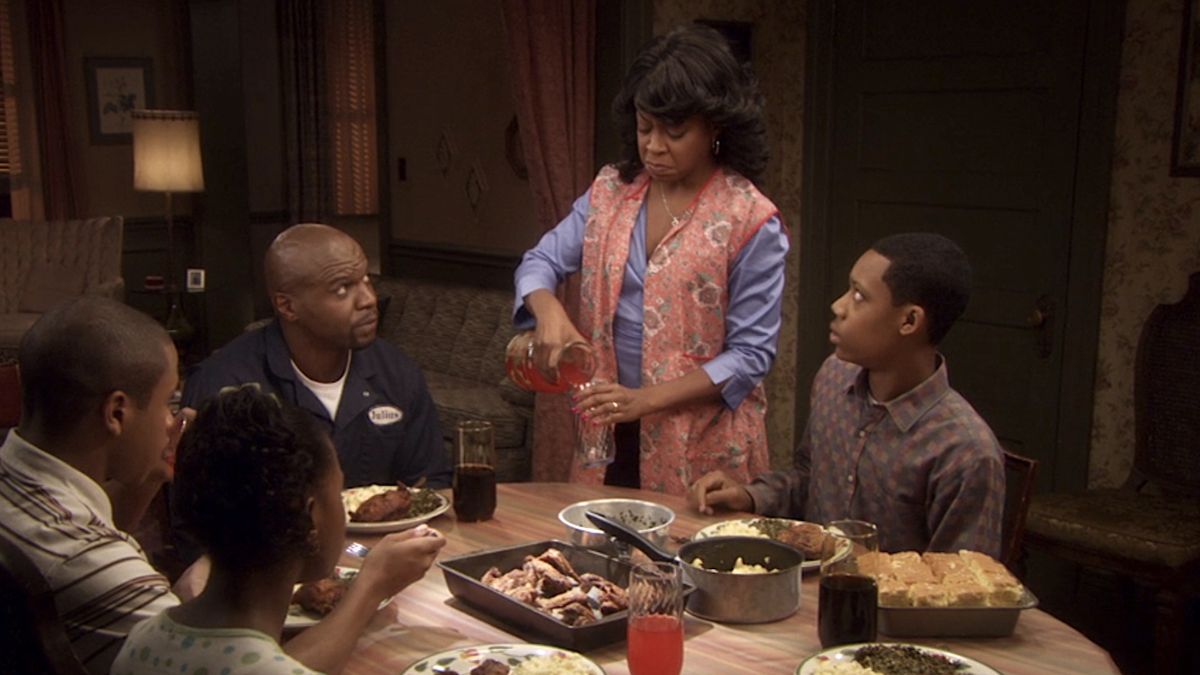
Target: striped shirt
[
  {"x": 924, "y": 467},
  {"x": 62, "y": 519}
]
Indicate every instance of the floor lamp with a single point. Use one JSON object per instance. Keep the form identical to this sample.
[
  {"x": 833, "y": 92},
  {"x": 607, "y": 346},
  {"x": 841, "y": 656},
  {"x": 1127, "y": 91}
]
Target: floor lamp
[{"x": 166, "y": 159}]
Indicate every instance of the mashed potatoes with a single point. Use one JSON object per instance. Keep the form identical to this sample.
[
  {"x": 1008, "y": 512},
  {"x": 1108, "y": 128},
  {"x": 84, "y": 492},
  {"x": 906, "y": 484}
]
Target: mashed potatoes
[
  {"x": 843, "y": 668},
  {"x": 354, "y": 497},
  {"x": 739, "y": 567},
  {"x": 735, "y": 528},
  {"x": 555, "y": 664}
]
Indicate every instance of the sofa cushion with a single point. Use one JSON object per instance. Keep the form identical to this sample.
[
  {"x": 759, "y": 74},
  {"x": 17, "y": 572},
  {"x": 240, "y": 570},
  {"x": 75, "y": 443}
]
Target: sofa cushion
[
  {"x": 50, "y": 285},
  {"x": 460, "y": 399}
]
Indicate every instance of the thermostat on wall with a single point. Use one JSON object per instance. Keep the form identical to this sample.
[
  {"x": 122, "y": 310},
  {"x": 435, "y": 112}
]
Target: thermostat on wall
[{"x": 195, "y": 280}]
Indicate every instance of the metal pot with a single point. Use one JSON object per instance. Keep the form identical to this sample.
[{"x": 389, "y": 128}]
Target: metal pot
[
  {"x": 721, "y": 595},
  {"x": 652, "y": 521}
]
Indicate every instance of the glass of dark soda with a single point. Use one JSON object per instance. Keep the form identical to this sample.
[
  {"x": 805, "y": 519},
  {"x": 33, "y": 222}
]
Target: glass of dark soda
[
  {"x": 848, "y": 595},
  {"x": 475, "y": 471}
]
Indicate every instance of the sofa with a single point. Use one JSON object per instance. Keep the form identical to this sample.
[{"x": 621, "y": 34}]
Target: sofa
[
  {"x": 43, "y": 264},
  {"x": 457, "y": 334}
]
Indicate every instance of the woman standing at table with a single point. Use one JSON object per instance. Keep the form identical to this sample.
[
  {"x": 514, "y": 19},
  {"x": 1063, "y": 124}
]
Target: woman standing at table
[{"x": 682, "y": 271}]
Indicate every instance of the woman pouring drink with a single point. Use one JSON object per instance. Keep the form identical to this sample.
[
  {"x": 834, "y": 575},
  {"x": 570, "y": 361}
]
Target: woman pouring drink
[{"x": 681, "y": 263}]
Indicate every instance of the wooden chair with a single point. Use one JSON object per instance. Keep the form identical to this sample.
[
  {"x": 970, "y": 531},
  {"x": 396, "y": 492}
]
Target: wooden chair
[
  {"x": 33, "y": 639},
  {"x": 1149, "y": 529},
  {"x": 1019, "y": 474}
]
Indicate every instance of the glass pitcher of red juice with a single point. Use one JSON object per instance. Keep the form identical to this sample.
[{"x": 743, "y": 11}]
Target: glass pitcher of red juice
[{"x": 576, "y": 365}]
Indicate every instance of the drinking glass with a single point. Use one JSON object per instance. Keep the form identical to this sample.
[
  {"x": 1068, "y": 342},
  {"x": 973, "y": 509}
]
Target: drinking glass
[
  {"x": 656, "y": 619},
  {"x": 848, "y": 596},
  {"x": 475, "y": 471},
  {"x": 594, "y": 443}
]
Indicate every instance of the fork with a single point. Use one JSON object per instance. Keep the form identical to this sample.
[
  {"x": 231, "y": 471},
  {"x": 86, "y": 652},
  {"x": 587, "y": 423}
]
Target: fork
[{"x": 358, "y": 550}]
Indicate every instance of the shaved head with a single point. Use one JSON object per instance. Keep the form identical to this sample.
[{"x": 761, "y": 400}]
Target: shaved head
[
  {"x": 299, "y": 253},
  {"x": 322, "y": 295}
]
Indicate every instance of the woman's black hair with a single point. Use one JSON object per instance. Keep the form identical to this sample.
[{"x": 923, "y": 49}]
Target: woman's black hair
[
  {"x": 247, "y": 468},
  {"x": 691, "y": 71}
]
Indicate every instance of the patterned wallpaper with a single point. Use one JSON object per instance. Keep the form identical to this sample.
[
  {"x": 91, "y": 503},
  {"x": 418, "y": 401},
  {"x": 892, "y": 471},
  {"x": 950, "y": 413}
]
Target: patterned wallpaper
[
  {"x": 778, "y": 44},
  {"x": 1153, "y": 227}
]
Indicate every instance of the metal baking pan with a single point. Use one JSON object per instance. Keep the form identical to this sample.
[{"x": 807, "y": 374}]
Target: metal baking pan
[
  {"x": 953, "y": 621},
  {"x": 462, "y": 578}
]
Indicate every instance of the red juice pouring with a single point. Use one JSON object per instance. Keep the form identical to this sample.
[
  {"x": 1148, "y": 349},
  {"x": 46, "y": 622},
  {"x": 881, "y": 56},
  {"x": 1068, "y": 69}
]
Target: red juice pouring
[{"x": 576, "y": 365}]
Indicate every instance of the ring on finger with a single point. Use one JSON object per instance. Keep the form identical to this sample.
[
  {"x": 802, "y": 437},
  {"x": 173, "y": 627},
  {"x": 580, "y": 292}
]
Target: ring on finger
[{"x": 616, "y": 406}]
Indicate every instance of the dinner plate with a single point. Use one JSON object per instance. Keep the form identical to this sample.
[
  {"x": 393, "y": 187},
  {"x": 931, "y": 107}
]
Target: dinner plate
[
  {"x": 462, "y": 660},
  {"x": 845, "y": 653},
  {"x": 745, "y": 527},
  {"x": 351, "y": 497}
]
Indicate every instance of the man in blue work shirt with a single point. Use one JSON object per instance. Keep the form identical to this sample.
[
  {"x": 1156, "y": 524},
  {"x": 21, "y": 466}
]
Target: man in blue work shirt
[{"x": 321, "y": 354}]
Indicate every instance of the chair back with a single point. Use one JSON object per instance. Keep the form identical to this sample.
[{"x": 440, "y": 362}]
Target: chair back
[
  {"x": 1167, "y": 399},
  {"x": 33, "y": 639},
  {"x": 1019, "y": 474}
]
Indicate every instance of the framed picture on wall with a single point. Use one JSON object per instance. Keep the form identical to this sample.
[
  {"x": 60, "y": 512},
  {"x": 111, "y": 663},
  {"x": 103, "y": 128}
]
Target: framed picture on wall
[
  {"x": 116, "y": 86},
  {"x": 1185, "y": 150}
]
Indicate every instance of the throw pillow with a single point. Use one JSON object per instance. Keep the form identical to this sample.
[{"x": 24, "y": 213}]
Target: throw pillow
[{"x": 50, "y": 285}]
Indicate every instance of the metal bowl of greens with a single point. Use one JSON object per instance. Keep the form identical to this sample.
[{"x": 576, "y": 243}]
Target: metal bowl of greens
[{"x": 651, "y": 520}]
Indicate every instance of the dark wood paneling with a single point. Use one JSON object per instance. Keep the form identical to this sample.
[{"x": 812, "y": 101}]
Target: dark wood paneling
[{"x": 485, "y": 269}]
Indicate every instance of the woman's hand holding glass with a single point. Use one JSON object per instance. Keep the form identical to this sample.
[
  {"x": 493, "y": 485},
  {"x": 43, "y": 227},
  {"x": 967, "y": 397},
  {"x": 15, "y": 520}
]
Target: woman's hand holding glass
[{"x": 609, "y": 403}]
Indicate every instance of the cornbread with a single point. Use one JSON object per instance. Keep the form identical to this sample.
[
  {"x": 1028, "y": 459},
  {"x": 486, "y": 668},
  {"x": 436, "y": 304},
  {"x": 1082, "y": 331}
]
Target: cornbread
[{"x": 963, "y": 579}]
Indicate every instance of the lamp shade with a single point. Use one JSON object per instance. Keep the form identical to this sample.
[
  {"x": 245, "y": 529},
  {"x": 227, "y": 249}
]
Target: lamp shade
[{"x": 166, "y": 151}]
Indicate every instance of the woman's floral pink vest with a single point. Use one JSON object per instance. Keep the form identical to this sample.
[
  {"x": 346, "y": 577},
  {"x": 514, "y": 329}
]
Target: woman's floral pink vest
[{"x": 684, "y": 325}]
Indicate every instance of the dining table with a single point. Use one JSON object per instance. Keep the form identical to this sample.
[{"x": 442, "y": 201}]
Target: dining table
[{"x": 425, "y": 618}]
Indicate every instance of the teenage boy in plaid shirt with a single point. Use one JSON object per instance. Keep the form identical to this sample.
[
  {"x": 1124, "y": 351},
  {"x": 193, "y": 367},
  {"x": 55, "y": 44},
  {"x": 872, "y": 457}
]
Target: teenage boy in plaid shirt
[{"x": 888, "y": 440}]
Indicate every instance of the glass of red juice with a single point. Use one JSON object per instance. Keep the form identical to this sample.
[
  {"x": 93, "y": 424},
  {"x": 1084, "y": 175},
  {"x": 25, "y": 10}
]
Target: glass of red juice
[
  {"x": 474, "y": 471},
  {"x": 848, "y": 595},
  {"x": 656, "y": 619}
]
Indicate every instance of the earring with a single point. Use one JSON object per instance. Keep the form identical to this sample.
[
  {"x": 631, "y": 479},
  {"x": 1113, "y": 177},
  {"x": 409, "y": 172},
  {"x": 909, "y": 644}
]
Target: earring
[{"x": 716, "y": 147}]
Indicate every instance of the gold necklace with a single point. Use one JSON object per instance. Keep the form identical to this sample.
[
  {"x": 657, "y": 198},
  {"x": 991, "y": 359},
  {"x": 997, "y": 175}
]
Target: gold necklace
[{"x": 675, "y": 220}]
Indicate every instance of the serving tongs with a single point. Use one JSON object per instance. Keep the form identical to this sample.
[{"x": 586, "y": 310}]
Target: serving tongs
[{"x": 627, "y": 535}]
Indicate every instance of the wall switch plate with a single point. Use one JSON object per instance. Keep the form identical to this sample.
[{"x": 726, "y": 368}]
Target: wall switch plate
[{"x": 195, "y": 280}]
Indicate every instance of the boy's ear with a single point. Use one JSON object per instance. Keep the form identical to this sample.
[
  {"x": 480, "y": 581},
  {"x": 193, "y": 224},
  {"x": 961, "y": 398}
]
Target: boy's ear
[
  {"x": 115, "y": 411},
  {"x": 914, "y": 320}
]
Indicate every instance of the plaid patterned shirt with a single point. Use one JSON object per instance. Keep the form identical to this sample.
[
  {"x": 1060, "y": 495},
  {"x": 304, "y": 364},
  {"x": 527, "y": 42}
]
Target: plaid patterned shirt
[{"x": 924, "y": 467}]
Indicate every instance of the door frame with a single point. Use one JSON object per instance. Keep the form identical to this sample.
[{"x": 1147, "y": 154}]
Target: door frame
[{"x": 1085, "y": 273}]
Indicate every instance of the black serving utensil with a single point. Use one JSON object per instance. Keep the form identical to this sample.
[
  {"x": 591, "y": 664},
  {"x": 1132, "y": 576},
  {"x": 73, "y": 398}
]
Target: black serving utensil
[{"x": 622, "y": 532}]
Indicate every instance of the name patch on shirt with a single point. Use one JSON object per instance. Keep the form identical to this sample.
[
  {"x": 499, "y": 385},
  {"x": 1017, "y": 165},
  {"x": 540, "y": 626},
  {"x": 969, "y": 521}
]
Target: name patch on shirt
[{"x": 383, "y": 415}]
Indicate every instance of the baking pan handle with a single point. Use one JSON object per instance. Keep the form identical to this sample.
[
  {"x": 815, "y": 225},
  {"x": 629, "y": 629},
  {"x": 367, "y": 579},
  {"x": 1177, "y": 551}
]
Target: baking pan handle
[{"x": 630, "y": 536}]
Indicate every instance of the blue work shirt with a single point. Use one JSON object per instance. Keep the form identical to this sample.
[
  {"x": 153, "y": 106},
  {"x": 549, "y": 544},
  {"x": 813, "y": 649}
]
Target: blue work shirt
[{"x": 374, "y": 444}]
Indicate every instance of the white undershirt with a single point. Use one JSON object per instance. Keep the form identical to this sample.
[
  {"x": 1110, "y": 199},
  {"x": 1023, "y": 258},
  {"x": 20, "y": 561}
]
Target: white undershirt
[{"x": 328, "y": 393}]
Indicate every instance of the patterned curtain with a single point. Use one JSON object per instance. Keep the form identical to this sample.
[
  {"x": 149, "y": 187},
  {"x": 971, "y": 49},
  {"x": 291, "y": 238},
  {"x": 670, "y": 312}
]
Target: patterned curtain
[
  {"x": 302, "y": 60},
  {"x": 53, "y": 115},
  {"x": 551, "y": 53}
]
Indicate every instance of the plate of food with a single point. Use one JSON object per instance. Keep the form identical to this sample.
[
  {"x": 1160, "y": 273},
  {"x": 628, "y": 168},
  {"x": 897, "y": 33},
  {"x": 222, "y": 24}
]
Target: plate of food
[
  {"x": 390, "y": 508},
  {"x": 890, "y": 658},
  {"x": 505, "y": 659},
  {"x": 801, "y": 535},
  {"x": 311, "y": 601}
]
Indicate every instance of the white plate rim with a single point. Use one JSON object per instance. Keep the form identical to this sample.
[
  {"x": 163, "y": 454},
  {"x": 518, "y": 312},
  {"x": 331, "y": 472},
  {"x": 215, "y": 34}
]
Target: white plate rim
[
  {"x": 397, "y": 525},
  {"x": 509, "y": 649},
  {"x": 704, "y": 533},
  {"x": 809, "y": 665}
]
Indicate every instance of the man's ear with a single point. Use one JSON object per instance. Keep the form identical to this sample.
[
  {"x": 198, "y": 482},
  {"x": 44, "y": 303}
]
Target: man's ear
[
  {"x": 914, "y": 320},
  {"x": 115, "y": 410},
  {"x": 284, "y": 306}
]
